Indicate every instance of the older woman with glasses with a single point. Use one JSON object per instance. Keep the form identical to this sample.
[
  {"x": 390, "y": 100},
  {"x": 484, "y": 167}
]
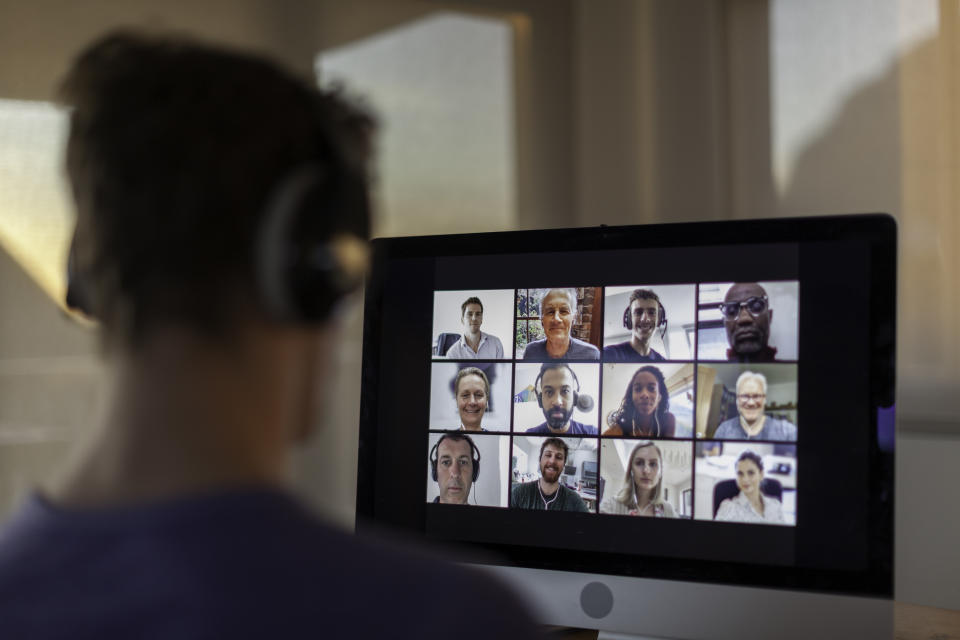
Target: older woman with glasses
[{"x": 752, "y": 423}]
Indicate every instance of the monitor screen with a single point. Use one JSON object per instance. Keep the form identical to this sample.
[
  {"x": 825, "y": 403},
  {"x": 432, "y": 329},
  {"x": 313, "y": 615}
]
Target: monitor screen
[{"x": 698, "y": 402}]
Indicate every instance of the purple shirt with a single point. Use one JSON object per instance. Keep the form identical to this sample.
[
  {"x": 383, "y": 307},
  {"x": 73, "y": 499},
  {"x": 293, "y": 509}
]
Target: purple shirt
[
  {"x": 576, "y": 429},
  {"x": 245, "y": 564},
  {"x": 624, "y": 352}
]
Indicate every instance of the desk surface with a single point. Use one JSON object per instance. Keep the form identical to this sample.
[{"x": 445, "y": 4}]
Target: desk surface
[{"x": 910, "y": 621}]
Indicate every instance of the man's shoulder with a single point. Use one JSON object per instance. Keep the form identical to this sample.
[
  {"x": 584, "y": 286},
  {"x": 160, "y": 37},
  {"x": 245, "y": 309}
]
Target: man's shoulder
[
  {"x": 459, "y": 350},
  {"x": 766, "y": 354},
  {"x": 491, "y": 346},
  {"x": 729, "y": 428},
  {"x": 572, "y": 500},
  {"x": 617, "y": 351},
  {"x": 490, "y": 337},
  {"x": 624, "y": 352},
  {"x": 780, "y": 428},
  {"x": 581, "y": 349},
  {"x": 540, "y": 428},
  {"x": 270, "y": 563},
  {"x": 536, "y": 349},
  {"x": 525, "y": 487},
  {"x": 522, "y": 494},
  {"x": 580, "y": 428}
]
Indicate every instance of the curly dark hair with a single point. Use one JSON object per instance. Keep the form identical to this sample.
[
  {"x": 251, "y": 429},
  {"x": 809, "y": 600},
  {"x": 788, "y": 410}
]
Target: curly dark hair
[{"x": 624, "y": 415}]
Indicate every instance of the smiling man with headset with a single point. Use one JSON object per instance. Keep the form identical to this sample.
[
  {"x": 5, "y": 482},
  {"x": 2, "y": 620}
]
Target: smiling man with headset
[
  {"x": 643, "y": 316},
  {"x": 221, "y": 219}
]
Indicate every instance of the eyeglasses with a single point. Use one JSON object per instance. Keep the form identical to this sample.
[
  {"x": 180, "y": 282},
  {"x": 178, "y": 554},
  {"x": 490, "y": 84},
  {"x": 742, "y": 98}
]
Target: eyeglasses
[
  {"x": 751, "y": 397},
  {"x": 754, "y": 304}
]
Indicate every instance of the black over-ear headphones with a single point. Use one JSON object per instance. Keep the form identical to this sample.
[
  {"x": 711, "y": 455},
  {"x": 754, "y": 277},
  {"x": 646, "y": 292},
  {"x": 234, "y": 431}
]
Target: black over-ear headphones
[
  {"x": 309, "y": 253},
  {"x": 661, "y": 317},
  {"x": 456, "y": 435},
  {"x": 547, "y": 366},
  {"x": 77, "y": 297},
  {"x": 310, "y": 250}
]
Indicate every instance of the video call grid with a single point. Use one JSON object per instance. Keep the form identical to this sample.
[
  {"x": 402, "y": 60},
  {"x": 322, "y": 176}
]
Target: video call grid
[{"x": 602, "y": 359}]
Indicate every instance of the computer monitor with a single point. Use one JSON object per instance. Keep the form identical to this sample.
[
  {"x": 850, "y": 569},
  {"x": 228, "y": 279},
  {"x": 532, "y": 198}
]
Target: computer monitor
[{"x": 726, "y": 390}]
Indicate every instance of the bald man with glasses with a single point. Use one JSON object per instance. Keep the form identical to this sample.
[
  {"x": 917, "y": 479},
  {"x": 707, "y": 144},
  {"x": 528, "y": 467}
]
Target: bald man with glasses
[{"x": 746, "y": 317}]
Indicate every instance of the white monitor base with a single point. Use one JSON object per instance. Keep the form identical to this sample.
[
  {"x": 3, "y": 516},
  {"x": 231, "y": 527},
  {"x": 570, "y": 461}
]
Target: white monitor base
[{"x": 661, "y": 609}]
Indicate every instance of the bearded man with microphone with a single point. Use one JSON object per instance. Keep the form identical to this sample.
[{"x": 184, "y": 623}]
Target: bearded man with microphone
[{"x": 558, "y": 394}]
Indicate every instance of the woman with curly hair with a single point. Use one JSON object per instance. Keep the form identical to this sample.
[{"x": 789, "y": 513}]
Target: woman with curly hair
[{"x": 643, "y": 412}]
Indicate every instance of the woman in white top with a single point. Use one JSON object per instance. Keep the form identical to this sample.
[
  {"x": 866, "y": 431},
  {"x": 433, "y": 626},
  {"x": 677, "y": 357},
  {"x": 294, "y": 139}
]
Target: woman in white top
[
  {"x": 750, "y": 505},
  {"x": 641, "y": 493}
]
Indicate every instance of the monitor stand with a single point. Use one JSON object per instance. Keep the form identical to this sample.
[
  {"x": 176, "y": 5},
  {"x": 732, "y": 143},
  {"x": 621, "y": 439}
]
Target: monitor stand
[{"x": 659, "y": 609}]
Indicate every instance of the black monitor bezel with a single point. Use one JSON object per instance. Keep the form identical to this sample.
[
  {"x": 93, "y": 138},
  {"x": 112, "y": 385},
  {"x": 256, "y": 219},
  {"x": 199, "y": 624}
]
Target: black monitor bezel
[{"x": 876, "y": 232}]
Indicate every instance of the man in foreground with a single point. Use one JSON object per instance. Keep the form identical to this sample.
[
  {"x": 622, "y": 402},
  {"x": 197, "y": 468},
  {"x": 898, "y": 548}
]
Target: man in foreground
[
  {"x": 547, "y": 493},
  {"x": 221, "y": 218}
]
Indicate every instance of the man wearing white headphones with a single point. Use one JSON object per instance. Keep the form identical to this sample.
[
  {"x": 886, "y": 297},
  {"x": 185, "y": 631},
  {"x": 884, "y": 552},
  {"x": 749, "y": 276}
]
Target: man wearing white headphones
[{"x": 221, "y": 218}]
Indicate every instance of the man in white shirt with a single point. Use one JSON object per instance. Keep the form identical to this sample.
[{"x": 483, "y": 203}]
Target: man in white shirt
[{"x": 475, "y": 344}]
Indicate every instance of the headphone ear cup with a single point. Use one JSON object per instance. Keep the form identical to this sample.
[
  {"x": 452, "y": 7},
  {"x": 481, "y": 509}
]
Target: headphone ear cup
[
  {"x": 433, "y": 459},
  {"x": 78, "y": 295},
  {"x": 627, "y": 322},
  {"x": 310, "y": 252},
  {"x": 537, "y": 391},
  {"x": 476, "y": 468}
]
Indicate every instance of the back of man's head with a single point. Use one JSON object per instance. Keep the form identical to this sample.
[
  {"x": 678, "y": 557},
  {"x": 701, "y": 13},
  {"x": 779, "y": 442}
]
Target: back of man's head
[{"x": 177, "y": 152}]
